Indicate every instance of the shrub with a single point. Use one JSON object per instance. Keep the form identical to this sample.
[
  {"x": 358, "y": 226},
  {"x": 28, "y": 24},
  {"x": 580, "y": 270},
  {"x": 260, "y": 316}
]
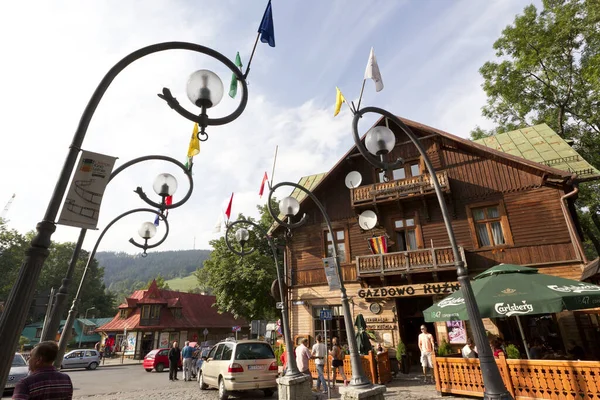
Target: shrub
[
  {"x": 278, "y": 353},
  {"x": 445, "y": 349},
  {"x": 512, "y": 352},
  {"x": 400, "y": 349}
]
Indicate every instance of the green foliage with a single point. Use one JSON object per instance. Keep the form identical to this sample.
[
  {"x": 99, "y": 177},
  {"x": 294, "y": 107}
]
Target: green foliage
[
  {"x": 278, "y": 352},
  {"x": 242, "y": 285},
  {"x": 512, "y": 352},
  {"x": 400, "y": 349},
  {"x": 548, "y": 70},
  {"x": 444, "y": 349},
  {"x": 22, "y": 342}
]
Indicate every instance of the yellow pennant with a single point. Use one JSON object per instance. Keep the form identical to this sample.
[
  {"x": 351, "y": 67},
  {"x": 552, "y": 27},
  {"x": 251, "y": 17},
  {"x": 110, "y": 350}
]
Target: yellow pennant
[
  {"x": 194, "y": 148},
  {"x": 339, "y": 99}
]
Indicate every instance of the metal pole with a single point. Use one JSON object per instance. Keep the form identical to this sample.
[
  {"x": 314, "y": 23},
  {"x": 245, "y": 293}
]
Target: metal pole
[
  {"x": 523, "y": 336},
  {"x": 19, "y": 300},
  {"x": 53, "y": 323},
  {"x": 494, "y": 385},
  {"x": 48, "y": 310},
  {"x": 292, "y": 369},
  {"x": 359, "y": 379}
]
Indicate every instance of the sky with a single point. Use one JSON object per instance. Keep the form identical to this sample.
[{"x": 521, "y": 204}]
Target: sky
[{"x": 55, "y": 54}]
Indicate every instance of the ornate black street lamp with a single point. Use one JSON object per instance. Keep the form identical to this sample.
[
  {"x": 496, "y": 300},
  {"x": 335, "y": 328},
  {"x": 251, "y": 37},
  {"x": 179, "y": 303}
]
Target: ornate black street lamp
[
  {"x": 242, "y": 235},
  {"x": 52, "y": 324},
  {"x": 380, "y": 141},
  {"x": 146, "y": 231},
  {"x": 289, "y": 206},
  {"x": 202, "y": 90}
]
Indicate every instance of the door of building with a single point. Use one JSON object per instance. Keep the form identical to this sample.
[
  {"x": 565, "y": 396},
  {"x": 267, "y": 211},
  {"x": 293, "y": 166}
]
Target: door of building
[
  {"x": 409, "y": 312},
  {"x": 147, "y": 343}
]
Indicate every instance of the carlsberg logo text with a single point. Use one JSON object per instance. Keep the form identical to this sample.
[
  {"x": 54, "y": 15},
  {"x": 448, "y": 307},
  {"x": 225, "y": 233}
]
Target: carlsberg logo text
[{"x": 513, "y": 309}]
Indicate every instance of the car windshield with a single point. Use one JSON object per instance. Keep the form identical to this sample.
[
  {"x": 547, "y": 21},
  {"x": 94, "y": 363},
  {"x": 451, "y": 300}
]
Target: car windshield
[
  {"x": 18, "y": 361},
  {"x": 253, "y": 351}
]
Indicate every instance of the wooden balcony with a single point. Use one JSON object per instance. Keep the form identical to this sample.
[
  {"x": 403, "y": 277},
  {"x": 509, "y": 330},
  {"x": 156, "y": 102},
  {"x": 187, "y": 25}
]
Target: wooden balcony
[
  {"x": 406, "y": 262},
  {"x": 390, "y": 191}
]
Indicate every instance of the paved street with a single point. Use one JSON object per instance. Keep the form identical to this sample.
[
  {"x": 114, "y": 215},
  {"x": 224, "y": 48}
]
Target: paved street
[{"x": 129, "y": 382}]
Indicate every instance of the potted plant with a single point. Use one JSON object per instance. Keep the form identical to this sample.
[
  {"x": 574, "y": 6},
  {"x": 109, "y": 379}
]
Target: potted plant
[
  {"x": 512, "y": 352},
  {"x": 402, "y": 357},
  {"x": 445, "y": 349}
]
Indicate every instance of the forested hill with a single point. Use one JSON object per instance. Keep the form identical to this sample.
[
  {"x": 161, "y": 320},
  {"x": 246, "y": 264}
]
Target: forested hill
[{"x": 126, "y": 272}]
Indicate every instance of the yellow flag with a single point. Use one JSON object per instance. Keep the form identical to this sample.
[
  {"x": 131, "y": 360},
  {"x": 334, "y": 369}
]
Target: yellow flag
[
  {"x": 339, "y": 99},
  {"x": 194, "y": 148}
]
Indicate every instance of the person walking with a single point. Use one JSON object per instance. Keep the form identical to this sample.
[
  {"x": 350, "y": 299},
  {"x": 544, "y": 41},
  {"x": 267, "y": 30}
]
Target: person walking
[
  {"x": 319, "y": 353},
  {"x": 188, "y": 362},
  {"x": 338, "y": 361},
  {"x": 174, "y": 357},
  {"x": 427, "y": 346},
  {"x": 44, "y": 381}
]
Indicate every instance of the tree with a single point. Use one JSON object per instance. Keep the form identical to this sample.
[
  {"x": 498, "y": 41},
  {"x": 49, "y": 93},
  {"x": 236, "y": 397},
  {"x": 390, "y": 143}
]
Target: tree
[
  {"x": 160, "y": 283},
  {"x": 242, "y": 285},
  {"x": 548, "y": 71}
]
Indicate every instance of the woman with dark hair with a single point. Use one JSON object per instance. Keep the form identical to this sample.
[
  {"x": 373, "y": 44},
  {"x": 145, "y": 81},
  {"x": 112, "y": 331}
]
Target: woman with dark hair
[{"x": 497, "y": 348}]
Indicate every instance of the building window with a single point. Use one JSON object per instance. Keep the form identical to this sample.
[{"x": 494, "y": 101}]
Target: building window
[
  {"x": 407, "y": 233},
  {"x": 489, "y": 225},
  {"x": 335, "y": 327},
  {"x": 145, "y": 312},
  {"x": 150, "y": 314},
  {"x": 123, "y": 313},
  {"x": 399, "y": 173},
  {"x": 339, "y": 242},
  {"x": 176, "y": 312},
  {"x": 155, "y": 312},
  {"x": 415, "y": 169},
  {"x": 38, "y": 333}
]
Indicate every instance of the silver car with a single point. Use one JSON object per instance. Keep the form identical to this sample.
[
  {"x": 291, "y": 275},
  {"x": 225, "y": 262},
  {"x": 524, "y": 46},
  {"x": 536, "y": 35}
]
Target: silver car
[
  {"x": 82, "y": 358},
  {"x": 18, "y": 371}
]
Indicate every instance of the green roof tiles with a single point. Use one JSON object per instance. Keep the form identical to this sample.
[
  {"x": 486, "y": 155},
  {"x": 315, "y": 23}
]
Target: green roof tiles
[{"x": 541, "y": 144}]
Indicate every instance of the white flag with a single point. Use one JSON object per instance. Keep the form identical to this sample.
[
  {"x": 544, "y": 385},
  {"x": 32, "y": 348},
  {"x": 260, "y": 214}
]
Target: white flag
[
  {"x": 219, "y": 225},
  {"x": 372, "y": 71}
]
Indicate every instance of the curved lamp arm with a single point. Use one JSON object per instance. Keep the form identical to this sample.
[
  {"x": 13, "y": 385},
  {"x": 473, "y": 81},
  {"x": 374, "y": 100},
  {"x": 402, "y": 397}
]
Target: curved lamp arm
[
  {"x": 289, "y": 224},
  {"x": 360, "y": 145},
  {"x": 162, "y": 206},
  {"x": 246, "y": 251}
]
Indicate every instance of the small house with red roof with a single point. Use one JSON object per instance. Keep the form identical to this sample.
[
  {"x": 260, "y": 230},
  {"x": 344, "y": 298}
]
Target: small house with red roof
[{"x": 154, "y": 318}]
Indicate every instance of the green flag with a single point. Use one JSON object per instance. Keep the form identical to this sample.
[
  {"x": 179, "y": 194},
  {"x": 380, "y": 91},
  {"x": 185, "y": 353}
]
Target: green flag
[{"x": 233, "y": 84}]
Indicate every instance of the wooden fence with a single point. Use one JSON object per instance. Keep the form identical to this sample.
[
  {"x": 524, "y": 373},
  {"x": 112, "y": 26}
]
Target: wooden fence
[
  {"x": 377, "y": 367},
  {"x": 524, "y": 379}
]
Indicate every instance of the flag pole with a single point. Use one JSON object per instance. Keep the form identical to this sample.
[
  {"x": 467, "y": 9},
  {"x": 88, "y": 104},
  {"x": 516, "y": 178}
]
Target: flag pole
[
  {"x": 251, "y": 56},
  {"x": 273, "y": 172},
  {"x": 361, "y": 94}
]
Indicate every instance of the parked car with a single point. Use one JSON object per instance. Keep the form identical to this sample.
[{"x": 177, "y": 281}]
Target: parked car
[
  {"x": 238, "y": 366},
  {"x": 81, "y": 358},
  {"x": 158, "y": 359},
  {"x": 18, "y": 371}
]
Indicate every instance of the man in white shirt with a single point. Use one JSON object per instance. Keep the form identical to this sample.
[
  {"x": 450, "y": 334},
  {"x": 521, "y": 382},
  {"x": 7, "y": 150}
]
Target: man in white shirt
[
  {"x": 319, "y": 353},
  {"x": 427, "y": 346},
  {"x": 302, "y": 356},
  {"x": 469, "y": 351}
]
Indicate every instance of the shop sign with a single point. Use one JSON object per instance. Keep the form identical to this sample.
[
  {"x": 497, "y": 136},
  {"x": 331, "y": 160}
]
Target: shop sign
[{"x": 421, "y": 289}]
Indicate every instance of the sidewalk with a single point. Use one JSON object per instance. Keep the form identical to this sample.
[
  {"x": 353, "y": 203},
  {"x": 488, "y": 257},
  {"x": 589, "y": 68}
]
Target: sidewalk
[{"x": 111, "y": 362}]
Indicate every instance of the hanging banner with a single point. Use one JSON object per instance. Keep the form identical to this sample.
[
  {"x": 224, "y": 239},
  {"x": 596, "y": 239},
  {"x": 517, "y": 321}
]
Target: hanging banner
[
  {"x": 333, "y": 280},
  {"x": 82, "y": 203}
]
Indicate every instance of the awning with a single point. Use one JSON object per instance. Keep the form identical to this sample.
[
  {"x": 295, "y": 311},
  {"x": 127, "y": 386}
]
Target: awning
[{"x": 86, "y": 322}]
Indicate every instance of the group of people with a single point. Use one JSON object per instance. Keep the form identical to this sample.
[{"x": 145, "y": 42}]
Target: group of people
[
  {"x": 319, "y": 353},
  {"x": 190, "y": 361}
]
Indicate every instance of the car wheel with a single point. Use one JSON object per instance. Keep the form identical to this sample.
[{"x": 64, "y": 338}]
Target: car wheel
[
  {"x": 223, "y": 394},
  {"x": 93, "y": 366},
  {"x": 160, "y": 367},
  {"x": 148, "y": 369},
  {"x": 268, "y": 392},
  {"x": 203, "y": 386}
]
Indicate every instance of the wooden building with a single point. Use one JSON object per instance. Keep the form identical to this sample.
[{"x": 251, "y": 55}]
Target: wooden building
[
  {"x": 504, "y": 209},
  {"x": 154, "y": 318}
]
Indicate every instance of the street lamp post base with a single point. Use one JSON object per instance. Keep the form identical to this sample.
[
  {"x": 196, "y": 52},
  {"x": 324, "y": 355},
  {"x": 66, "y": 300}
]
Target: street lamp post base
[
  {"x": 370, "y": 392},
  {"x": 501, "y": 396},
  {"x": 295, "y": 387}
]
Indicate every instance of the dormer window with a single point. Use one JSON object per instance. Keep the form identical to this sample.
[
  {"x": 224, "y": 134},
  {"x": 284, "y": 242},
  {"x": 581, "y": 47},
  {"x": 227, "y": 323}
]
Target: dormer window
[
  {"x": 176, "y": 312},
  {"x": 150, "y": 314},
  {"x": 123, "y": 313}
]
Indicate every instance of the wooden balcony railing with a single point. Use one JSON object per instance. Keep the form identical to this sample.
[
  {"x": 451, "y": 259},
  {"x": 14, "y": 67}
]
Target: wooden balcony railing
[
  {"x": 393, "y": 190},
  {"x": 403, "y": 262}
]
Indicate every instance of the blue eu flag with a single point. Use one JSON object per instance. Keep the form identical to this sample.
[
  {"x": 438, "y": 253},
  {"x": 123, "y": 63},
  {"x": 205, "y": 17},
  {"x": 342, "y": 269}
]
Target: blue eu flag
[{"x": 266, "y": 30}]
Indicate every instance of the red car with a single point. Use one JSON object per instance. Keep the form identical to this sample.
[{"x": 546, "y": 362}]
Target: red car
[{"x": 158, "y": 359}]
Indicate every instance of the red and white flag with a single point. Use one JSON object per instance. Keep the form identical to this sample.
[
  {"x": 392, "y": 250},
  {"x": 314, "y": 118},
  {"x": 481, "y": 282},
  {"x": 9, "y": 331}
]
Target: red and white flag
[
  {"x": 262, "y": 185},
  {"x": 228, "y": 211}
]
